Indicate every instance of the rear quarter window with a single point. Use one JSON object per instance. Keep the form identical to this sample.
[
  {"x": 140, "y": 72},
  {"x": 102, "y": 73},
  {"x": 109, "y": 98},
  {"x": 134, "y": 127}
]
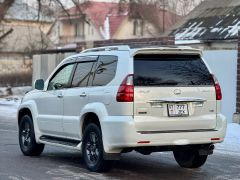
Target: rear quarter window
[
  {"x": 171, "y": 70},
  {"x": 82, "y": 73},
  {"x": 105, "y": 70}
]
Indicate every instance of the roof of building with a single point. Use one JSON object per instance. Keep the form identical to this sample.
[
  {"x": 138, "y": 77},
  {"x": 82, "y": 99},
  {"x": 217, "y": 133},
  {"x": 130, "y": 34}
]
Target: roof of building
[
  {"x": 21, "y": 11},
  {"x": 211, "y": 20},
  {"x": 98, "y": 11}
]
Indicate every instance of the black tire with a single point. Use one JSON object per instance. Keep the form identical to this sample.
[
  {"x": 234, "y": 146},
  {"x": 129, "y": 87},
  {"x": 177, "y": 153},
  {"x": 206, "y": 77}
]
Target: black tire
[
  {"x": 188, "y": 158},
  {"x": 27, "y": 140},
  {"x": 92, "y": 150}
]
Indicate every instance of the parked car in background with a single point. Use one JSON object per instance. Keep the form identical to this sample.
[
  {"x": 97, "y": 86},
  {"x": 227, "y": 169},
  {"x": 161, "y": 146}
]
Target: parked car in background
[{"x": 112, "y": 100}]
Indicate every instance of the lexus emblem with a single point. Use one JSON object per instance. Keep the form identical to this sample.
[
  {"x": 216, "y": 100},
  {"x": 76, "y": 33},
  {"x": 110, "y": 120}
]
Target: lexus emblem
[{"x": 177, "y": 92}]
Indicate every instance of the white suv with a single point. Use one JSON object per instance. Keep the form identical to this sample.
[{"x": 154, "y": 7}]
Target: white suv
[{"x": 111, "y": 100}]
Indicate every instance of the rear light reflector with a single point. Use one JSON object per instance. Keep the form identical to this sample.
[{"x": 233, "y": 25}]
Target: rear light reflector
[
  {"x": 143, "y": 142},
  {"x": 217, "y": 88},
  {"x": 126, "y": 90},
  {"x": 215, "y": 139}
]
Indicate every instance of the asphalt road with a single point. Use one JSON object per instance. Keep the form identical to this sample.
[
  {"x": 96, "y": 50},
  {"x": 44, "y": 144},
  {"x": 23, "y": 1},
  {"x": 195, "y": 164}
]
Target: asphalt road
[{"x": 63, "y": 164}]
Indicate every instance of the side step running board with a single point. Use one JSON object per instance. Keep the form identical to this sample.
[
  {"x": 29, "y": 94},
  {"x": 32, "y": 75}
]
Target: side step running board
[{"x": 62, "y": 141}]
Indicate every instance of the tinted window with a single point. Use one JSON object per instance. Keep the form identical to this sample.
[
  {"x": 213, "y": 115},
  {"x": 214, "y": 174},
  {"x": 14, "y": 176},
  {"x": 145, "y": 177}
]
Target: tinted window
[
  {"x": 170, "y": 70},
  {"x": 105, "y": 70},
  {"x": 82, "y": 73},
  {"x": 61, "y": 79}
]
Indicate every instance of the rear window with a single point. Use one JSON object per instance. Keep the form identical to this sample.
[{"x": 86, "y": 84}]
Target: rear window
[{"x": 170, "y": 70}]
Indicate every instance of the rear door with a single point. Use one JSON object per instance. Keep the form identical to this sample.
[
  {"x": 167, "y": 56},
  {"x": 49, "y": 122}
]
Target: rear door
[
  {"x": 173, "y": 93},
  {"x": 76, "y": 97}
]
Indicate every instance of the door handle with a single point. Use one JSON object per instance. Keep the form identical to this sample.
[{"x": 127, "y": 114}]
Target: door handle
[
  {"x": 83, "y": 95},
  {"x": 60, "y": 96}
]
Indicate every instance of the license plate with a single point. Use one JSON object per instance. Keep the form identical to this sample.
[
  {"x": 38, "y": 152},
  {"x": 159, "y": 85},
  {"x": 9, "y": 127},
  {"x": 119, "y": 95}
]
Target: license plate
[{"x": 177, "y": 110}]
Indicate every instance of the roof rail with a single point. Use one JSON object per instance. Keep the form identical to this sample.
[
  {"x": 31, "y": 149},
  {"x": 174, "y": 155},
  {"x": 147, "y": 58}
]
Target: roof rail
[
  {"x": 169, "y": 46},
  {"x": 108, "y": 48}
]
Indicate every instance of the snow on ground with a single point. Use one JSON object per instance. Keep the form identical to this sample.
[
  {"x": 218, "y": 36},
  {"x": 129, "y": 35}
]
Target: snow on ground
[
  {"x": 231, "y": 144},
  {"x": 9, "y": 108},
  {"x": 9, "y": 104}
]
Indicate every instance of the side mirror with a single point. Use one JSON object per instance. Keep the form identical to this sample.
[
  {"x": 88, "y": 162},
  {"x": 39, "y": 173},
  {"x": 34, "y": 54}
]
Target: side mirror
[
  {"x": 39, "y": 84},
  {"x": 58, "y": 86}
]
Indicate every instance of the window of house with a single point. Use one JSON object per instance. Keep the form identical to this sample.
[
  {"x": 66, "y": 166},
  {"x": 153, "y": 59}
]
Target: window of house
[
  {"x": 89, "y": 29},
  {"x": 142, "y": 27},
  {"x": 61, "y": 79},
  {"x": 138, "y": 27},
  {"x": 135, "y": 26},
  {"x": 82, "y": 73},
  {"x": 79, "y": 29},
  {"x": 105, "y": 70}
]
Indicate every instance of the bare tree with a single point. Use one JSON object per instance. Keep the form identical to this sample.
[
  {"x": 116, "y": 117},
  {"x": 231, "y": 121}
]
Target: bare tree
[
  {"x": 140, "y": 9},
  {"x": 183, "y": 7},
  {"x": 4, "y": 6},
  {"x": 150, "y": 10},
  {"x": 42, "y": 8},
  {"x": 180, "y": 7}
]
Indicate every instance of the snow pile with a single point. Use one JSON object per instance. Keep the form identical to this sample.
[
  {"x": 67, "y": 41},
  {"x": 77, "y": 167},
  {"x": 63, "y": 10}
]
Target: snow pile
[
  {"x": 8, "y": 107},
  {"x": 10, "y": 101},
  {"x": 9, "y": 104},
  {"x": 21, "y": 90},
  {"x": 16, "y": 91},
  {"x": 231, "y": 143}
]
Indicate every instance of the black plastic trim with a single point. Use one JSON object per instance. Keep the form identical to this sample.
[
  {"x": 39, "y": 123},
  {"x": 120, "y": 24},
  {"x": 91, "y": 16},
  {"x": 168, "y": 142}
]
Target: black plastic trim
[{"x": 62, "y": 141}]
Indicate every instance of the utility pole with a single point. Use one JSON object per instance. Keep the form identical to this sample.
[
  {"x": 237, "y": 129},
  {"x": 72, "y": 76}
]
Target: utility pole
[{"x": 163, "y": 5}]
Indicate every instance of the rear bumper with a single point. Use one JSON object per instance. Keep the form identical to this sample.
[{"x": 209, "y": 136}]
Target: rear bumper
[{"x": 119, "y": 132}]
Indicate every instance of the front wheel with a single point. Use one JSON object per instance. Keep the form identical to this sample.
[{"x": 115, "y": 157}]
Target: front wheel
[
  {"x": 188, "y": 158},
  {"x": 27, "y": 141},
  {"x": 92, "y": 150}
]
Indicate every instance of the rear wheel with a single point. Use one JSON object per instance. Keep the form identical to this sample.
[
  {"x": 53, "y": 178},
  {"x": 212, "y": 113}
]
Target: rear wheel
[
  {"x": 27, "y": 140},
  {"x": 92, "y": 150},
  {"x": 188, "y": 158}
]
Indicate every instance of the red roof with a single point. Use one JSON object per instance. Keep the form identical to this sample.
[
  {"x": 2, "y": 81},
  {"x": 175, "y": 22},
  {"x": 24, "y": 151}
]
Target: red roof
[
  {"x": 98, "y": 11},
  {"x": 115, "y": 22}
]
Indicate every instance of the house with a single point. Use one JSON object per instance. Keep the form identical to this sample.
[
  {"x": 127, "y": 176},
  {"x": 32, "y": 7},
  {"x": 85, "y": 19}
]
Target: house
[
  {"x": 107, "y": 20},
  {"x": 214, "y": 24},
  {"x": 22, "y": 31}
]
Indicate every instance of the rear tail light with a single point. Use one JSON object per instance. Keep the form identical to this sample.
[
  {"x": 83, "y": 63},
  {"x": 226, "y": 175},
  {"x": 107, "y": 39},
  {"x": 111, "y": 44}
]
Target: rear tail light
[
  {"x": 217, "y": 88},
  {"x": 126, "y": 90}
]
